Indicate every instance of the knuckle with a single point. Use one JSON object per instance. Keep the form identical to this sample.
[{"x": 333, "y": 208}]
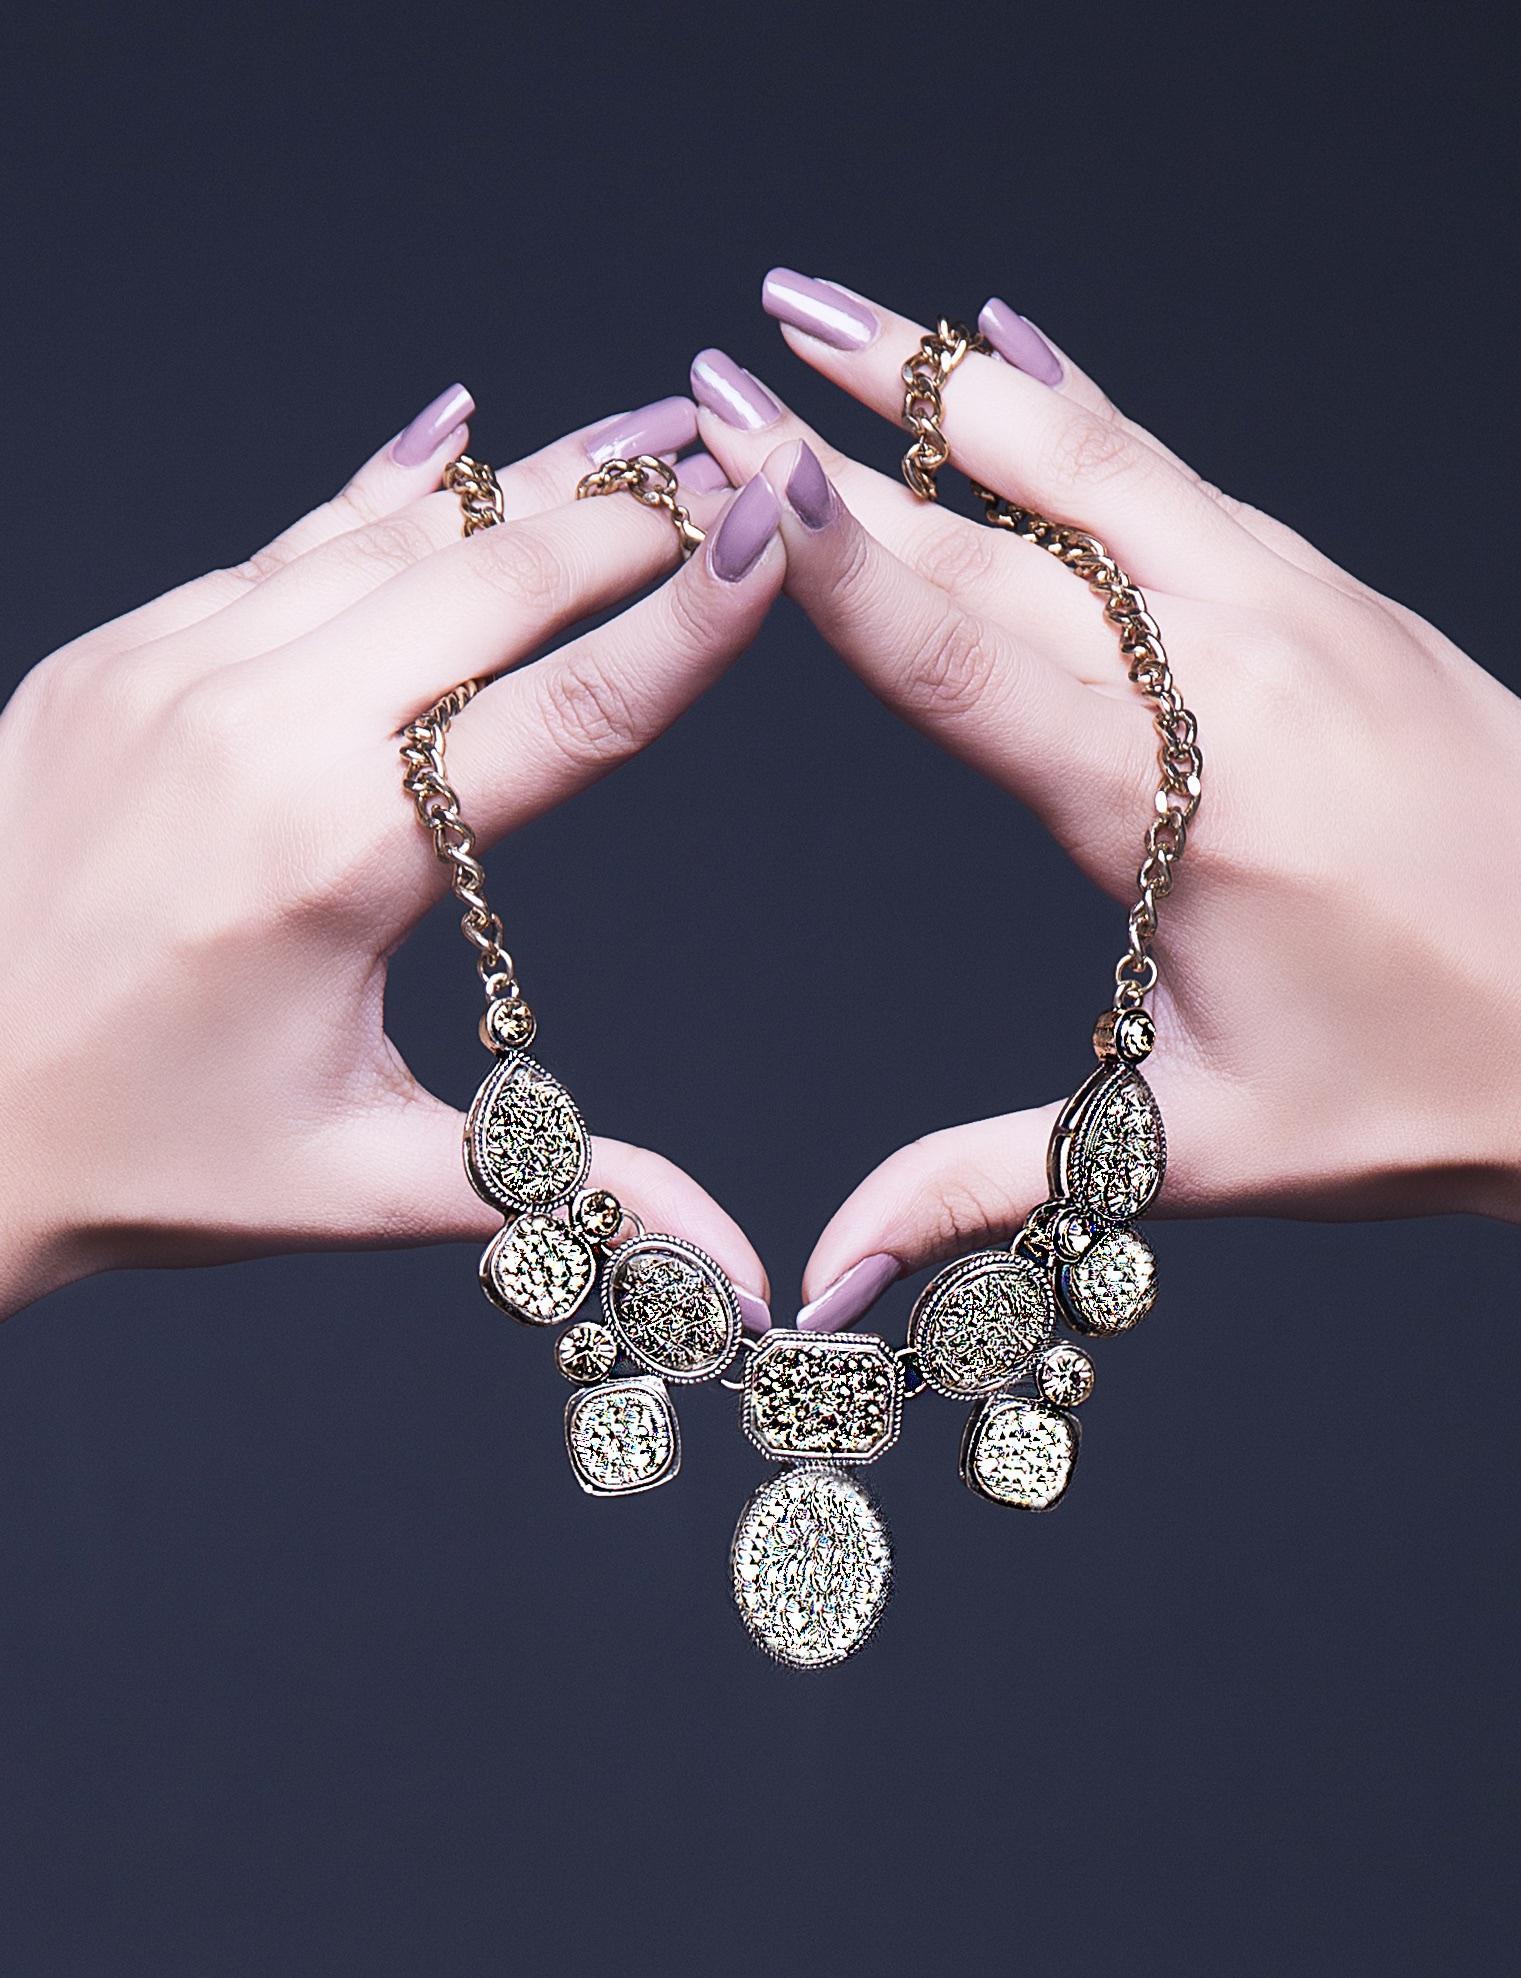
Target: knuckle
[
  {"x": 1090, "y": 452},
  {"x": 591, "y": 717},
  {"x": 953, "y": 664},
  {"x": 688, "y": 608},
  {"x": 960, "y": 558},
  {"x": 525, "y": 567},
  {"x": 388, "y": 547}
]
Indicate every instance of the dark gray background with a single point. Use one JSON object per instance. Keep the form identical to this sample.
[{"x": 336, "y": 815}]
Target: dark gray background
[{"x": 312, "y": 1658}]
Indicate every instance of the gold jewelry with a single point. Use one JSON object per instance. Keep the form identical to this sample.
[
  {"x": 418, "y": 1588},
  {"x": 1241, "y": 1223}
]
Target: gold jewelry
[{"x": 811, "y": 1560}]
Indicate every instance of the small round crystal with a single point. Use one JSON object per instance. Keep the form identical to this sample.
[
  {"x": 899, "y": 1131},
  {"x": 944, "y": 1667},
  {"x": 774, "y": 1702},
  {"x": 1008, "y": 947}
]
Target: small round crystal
[{"x": 586, "y": 1352}]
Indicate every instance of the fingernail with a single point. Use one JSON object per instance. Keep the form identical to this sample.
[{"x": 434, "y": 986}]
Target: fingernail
[
  {"x": 809, "y": 495},
  {"x": 824, "y": 311},
  {"x": 750, "y": 521},
  {"x": 755, "y": 1313},
  {"x": 851, "y": 1294},
  {"x": 701, "y": 473},
  {"x": 433, "y": 425},
  {"x": 664, "y": 427},
  {"x": 737, "y": 398},
  {"x": 1019, "y": 343}
]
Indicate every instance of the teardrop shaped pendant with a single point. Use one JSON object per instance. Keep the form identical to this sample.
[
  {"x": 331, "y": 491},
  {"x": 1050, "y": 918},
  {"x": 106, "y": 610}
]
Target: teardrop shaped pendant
[{"x": 526, "y": 1144}]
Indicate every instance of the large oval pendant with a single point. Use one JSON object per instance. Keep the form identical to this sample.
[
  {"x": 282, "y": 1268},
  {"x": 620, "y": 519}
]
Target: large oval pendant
[
  {"x": 1108, "y": 1150},
  {"x": 812, "y": 1566}
]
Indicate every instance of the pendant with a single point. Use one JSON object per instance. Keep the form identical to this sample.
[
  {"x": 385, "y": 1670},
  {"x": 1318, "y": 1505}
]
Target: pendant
[
  {"x": 671, "y": 1307},
  {"x": 1019, "y": 1451},
  {"x": 526, "y": 1144},
  {"x": 830, "y": 1397},
  {"x": 622, "y": 1437},
  {"x": 980, "y": 1322},
  {"x": 811, "y": 1565}
]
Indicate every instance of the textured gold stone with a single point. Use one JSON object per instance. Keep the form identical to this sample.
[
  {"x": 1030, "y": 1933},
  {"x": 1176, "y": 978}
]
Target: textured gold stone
[
  {"x": 811, "y": 1565},
  {"x": 1019, "y": 1452},
  {"x": 538, "y": 1268},
  {"x": 527, "y": 1145},
  {"x": 672, "y": 1308},
  {"x": 1112, "y": 1286},
  {"x": 1119, "y": 1153},
  {"x": 828, "y": 1396}
]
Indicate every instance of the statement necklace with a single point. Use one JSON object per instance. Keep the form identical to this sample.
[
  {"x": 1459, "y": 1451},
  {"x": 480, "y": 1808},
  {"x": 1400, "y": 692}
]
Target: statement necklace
[{"x": 811, "y": 1561}]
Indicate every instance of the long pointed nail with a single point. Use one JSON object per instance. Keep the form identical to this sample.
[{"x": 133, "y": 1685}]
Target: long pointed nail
[
  {"x": 852, "y": 1293},
  {"x": 723, "y": 387},
  {"x": 666, "y": 426},
  {"x": 809, "y": 494},
  {"x": 419, "y": 441},
  {"x": 754, "y": 1312},
  {"x": 1019, "y": 343},
  {"x": 819, "y": 308},
  {"x": 750, "y": 521}
]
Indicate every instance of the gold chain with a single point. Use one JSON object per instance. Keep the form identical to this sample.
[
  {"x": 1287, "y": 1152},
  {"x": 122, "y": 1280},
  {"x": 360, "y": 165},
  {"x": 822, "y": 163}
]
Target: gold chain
[
  {"x": 1179, "y": 761},
  {"x": 649, "y": 480}
]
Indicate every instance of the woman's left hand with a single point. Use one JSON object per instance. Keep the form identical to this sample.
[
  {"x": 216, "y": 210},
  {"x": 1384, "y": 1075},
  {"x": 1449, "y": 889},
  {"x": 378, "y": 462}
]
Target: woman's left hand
[{"x": 1332, "y": 861}]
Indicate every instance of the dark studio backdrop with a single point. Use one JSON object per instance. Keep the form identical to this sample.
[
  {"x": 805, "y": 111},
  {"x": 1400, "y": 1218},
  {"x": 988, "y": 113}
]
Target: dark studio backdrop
[{"x": 312, "y": 1657}]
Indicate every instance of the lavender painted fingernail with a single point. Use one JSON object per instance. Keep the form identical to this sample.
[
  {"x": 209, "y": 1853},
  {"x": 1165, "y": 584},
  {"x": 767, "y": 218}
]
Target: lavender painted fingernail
[
  {"x": 1019, "y": 343},
  {"x": 819, "y": 308},
  {"x": 851, "y": 1294},
  {"x": 664, "y": 427},
  {"x": 738, "y": 399},
  {"x": 809, "y": 495},
  {"x": 750, "y": 521},
  {"x": 754, "y": 1312},
  {"x": 422, "y": 439},
  {"x": 701, "y": 473}
]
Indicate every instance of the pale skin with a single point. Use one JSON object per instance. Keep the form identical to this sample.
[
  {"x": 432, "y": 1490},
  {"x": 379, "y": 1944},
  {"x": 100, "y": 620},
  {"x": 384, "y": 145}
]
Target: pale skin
[{"x": 1335, "y": 1015}]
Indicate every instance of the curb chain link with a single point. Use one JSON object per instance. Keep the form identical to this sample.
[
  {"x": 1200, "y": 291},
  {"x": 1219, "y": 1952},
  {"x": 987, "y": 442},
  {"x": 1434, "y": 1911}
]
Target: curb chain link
[{"x": 1179, "y": 761}]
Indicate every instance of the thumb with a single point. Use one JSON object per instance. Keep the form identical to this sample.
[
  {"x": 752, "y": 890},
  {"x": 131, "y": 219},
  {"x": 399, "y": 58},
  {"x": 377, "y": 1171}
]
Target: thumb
[{"x": 406, "y": 1184}]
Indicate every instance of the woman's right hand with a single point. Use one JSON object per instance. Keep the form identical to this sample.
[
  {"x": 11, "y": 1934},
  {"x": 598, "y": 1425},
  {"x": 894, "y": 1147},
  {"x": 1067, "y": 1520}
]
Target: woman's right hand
[{"x": 209, "y": 857}]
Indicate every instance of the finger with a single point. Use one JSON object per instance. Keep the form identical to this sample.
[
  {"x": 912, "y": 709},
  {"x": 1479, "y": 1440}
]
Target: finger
[
  {"x": 290, "y": 590},
  {"x": 403, "y": 1182},
  {"x": 538, "y": 735},
  {"x": 985, "y": 571},
  {"x": 404, "y": 470},
  {"x": 1013, "y": 433},
  {"x": 479, "y": 606},
  {"x": 978, "y": 688},
  {"x": 1018, "y": 342},
  {"x": 970, "y": 1186}
]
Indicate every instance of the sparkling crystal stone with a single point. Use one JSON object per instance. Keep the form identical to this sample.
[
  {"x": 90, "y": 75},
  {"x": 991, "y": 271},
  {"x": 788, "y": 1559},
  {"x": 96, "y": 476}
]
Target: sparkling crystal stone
[
  {"x": 538, "y": 1269},
  {"x": 1064, "y": 1375},
  {"x": 586, "y": 1352},
  {"x": 672, "y": 1308},
  {"x": 1117, "y": 1153},
  {"x": 1020, "y": 1452},
  {"x": 622, "y": 1436},
  {"x": 526, "y": 1144},
  {"x": 598, "y": 1212},
  {"x": 980, "y": 1321},
  {"x": 836, "y": 1396},
  {"x": 508, "y": 1023},
  {"x": 812, "y": 1566},
  {"x": 1113, "y": 1286}
]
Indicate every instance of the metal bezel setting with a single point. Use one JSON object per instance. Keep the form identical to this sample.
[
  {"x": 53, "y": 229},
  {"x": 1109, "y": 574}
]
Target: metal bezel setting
[
  {"x": 632, "y": 1383},
  {"x": 780, "y": 1344},
  {"x": 951, "y": 1279},
  {"x": 1066, "y": 1158},
  {"x": 477, "y": 1161},
  {"x": 977, "y": 1423},
  {"x": 636, "y": 1246},
  {"x": 777, "y": 1486}
]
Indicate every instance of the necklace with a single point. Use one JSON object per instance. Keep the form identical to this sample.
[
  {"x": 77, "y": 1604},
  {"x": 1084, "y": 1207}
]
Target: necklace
[{"x": 811, "y": 1562}]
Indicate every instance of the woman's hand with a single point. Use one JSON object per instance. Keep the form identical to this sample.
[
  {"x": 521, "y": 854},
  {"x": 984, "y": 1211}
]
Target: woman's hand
[
  {"x": 1338, "y": 1010},
  {"x": 209, "y": 856}
]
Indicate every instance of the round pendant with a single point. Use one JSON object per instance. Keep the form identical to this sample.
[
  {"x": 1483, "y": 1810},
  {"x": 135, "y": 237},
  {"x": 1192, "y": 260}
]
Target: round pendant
[
  {"x": 812, "y": 1566},
  {"x": 526, "y": 1144},
  {"x": 980, "y": 1322},
  {"x": 672, "y": 1308}
]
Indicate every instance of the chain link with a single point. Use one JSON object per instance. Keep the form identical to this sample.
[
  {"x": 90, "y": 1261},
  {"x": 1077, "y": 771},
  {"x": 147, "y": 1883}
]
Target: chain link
[
  {"x": 1179, "y": 760},
  {"x": 648, "y": 479}
]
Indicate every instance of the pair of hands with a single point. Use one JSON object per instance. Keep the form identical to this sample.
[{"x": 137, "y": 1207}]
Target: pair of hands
[{"x": 209, "y": 860}]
